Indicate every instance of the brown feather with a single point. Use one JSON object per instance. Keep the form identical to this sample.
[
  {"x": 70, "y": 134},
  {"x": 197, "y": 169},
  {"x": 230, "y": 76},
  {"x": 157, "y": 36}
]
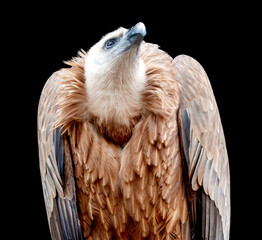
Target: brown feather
[
  {"x": 129, "y": 176},
  {"x": 206, "y": 157}
]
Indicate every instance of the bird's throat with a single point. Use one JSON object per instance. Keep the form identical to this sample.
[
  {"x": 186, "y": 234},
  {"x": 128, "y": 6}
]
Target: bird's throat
[{"x": 115, "y": 102}]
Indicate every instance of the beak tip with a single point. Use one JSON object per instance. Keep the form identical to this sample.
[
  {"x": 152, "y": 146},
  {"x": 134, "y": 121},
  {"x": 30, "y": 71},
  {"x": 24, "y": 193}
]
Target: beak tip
[
  {"x": 140, "y": 28},
  {"x": 136, "y": 33}
]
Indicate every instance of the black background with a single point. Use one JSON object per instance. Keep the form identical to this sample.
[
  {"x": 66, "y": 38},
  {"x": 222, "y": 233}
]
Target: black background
[{"x": 38, "y": 39}]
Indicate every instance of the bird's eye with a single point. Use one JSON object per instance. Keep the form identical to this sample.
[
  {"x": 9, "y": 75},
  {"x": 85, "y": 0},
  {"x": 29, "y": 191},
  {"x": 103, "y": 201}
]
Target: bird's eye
[{"x": 110, "y": 43}]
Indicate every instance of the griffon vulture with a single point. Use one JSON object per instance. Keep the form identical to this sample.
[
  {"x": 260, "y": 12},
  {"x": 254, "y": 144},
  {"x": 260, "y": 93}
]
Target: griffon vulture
[{"x": 131, "y": 145}]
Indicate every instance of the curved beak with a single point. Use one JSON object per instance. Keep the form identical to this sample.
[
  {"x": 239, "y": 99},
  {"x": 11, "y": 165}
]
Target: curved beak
[{"x": 135, "y": 34}]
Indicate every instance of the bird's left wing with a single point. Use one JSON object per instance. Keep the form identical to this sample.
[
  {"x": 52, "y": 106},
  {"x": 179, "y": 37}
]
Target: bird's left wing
[
  {"x": 56, "y": 166},
  {"x": 205, "y": 152}
]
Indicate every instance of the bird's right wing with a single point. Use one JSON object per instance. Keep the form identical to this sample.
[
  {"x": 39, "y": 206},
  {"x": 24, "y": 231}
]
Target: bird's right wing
[{"x": 56, "y": 166}]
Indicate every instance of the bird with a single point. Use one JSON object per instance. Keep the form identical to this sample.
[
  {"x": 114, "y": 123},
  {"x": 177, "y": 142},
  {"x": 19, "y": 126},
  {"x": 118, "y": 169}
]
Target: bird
[{"x": 131, "y": 145}]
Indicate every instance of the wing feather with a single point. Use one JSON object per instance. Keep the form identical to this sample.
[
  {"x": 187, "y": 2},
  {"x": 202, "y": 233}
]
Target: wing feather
[
  {"x": 204, "y": 150},
  {"x": 56, "y": 166}
]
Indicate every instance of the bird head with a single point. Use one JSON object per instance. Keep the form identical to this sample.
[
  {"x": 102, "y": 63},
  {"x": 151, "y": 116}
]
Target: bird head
[
  {"x": 115, "y": 75},
  {"x": 115, "y": 56}
]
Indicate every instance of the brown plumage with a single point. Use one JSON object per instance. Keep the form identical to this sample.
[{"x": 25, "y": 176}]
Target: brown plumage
[{"x": 133, "y": 147}]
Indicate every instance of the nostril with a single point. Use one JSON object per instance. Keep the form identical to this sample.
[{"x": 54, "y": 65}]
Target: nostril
[{"x": 129, "y": 30}]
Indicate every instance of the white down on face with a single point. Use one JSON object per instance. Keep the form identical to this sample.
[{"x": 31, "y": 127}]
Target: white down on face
[{"x": 114, "y": 81}]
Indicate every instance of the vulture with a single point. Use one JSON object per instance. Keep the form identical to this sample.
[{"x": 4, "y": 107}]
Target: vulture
[{"x": 131, "y": 145}]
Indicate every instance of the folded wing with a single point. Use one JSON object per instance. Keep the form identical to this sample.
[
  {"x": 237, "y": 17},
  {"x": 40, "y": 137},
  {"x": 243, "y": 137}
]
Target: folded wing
[
  {"x": 56, "y": 166},
  {"x": 205, "y": 152}
]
